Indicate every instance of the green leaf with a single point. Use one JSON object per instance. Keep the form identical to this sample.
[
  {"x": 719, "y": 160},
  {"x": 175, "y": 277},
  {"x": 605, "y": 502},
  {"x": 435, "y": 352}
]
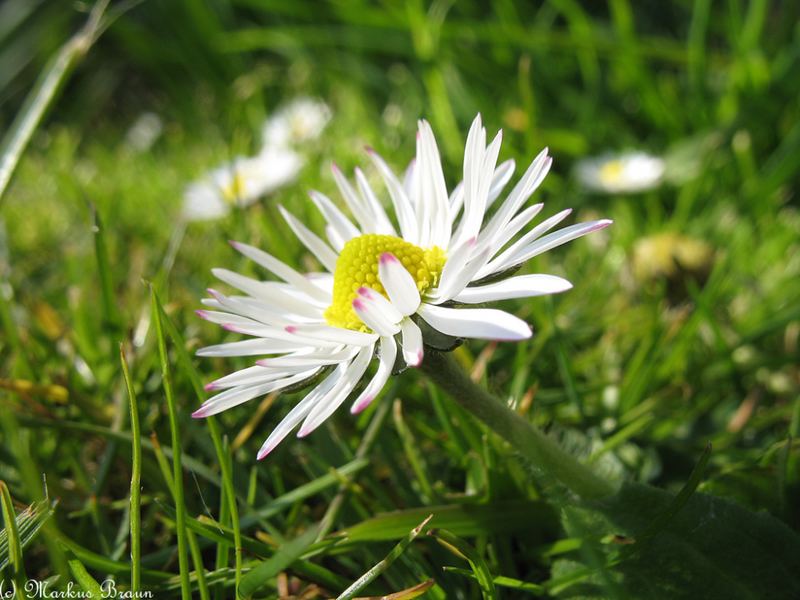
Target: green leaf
[
  {"x": 86, "y": 581},
  {"x": 712, "y": 548},
  {"x": 531, "y": 517},
  {"x": 278, "y": 562}
]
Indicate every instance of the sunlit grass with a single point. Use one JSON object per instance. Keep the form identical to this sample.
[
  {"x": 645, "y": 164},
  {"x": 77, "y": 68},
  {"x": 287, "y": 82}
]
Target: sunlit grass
[{"x": 636, "y": 369}]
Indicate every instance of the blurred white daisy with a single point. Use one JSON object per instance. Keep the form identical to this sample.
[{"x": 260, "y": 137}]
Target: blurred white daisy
[
  {"x": 384, "y": 278},
  {"x": 301, "y": 120},
  {"x": 144, "y": 132},
  {"x": 241, "y": 182},
  {"x": 620, "y": 173}
]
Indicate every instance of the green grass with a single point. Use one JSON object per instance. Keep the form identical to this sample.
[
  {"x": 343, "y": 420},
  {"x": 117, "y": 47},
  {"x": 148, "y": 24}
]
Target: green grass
[{"x": 636, "y": 374}]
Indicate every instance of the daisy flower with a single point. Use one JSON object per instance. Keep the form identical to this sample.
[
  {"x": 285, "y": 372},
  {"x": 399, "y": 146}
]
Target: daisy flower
[
  {"x": 241, "y": 182},
  {"x": 385, "y": 278},
  {"x": 621, "y": 173},
  {"x": 302, "y": 120}
]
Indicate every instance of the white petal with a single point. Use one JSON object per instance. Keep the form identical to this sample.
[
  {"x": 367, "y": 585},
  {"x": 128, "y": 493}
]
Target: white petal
[
  {"x": 402, "y": 205},
  {"x": 254, "y": 347},
  {"x": 386, "y": 307},
  {"x": 523, "y": 286},
  {"x": 409, "y": 176},
  {"x": 412, "y": 343},
  {"x": 333, "y": 334},
  {"x": 311, "y": 241},
  {"x": 422, "y": 207},
  {"x": 531, "y": 180},
  {"x": 383, "y": 225},
  {"x": 475, "y": 207},
  {"x": 461, "y": 278},
  {"x": 385, "y": 366},
  {"x": 253, "y": 309},
  {"x": 308, "y": 359},
  {"x": 514, "y": 226},
  {"x": 225, "y": 318},
  {"x": 502, "y": 175},
  {"x": 372, "y": 316},
  {"x": 239, "y": 395},
  {"x": 399, "y": 284},
  {"x": 333, "y": 399},
  {"x": 455, "y": 265},
  {"x": 300, "y": 411},
  {"x": 275, "y": 293},
  {"x": 362, "y": 213},
  {"x": 434, "y": 190},
  {"x": 280, "y": 269},
  {"x": 480, "y": 323},
  {"x": 203, "y": 201},
  {"x": 506, "y": 258},
  {"x": 251, "y": 376},
  {"x": 290, "y": 334},
  {"x": 473, "y": 159},
  {"x": 456, "y": 201},
  {"x": 344, "y": 229},
  {"x": 554, "y": 239}
]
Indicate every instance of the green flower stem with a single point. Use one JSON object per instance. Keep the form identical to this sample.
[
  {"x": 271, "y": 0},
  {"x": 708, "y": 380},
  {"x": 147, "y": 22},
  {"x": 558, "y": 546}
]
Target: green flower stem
[{"x": 526, "y": 438}]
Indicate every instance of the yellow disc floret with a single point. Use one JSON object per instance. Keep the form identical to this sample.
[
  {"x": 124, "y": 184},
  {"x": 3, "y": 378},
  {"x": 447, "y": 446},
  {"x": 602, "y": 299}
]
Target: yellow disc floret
[
  {"x": 357, "y": 266},
  {"x": 611, "y": 172}
]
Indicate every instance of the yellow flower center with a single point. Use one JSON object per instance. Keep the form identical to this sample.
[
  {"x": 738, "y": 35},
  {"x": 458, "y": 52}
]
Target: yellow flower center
[
  {"x": 611, "y": 172},
  {"x": 357, "y": 266},
  {"x": 233, "y": 192}
]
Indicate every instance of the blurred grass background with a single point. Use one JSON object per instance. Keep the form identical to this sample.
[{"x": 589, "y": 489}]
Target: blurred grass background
[{"x": 640, "y": 365}]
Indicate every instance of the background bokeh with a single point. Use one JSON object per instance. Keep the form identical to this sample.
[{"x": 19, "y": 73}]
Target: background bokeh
[{"x": 651, "y": 356}]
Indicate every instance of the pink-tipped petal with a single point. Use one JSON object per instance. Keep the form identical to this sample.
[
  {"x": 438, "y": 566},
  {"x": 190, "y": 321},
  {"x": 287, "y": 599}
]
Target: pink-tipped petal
[
  {"x": 378, "y": 315},
  {"x": 412, "y": 343},
  {"x": 362, "y": 404}
]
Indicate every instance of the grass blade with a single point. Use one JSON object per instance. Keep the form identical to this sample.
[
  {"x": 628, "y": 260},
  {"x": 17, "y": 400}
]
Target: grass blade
[
  {"x": 680, "y": 499},
  {"x": 136, "y": 476},
  {"x": 509, "y": 582},
  {"x": 180, "y": 507},
  {"x": 29, "y": 522},
  {"x": 464, "y": 550},
  {"x": 108, "y": 305},
  {"x": 379, "y": 568},
  {"x": 222, "y": 450},
  {"x": 279, "y": 561},
  {"x": 44, "y": 91},
  {"x": 12, "y": 533}
]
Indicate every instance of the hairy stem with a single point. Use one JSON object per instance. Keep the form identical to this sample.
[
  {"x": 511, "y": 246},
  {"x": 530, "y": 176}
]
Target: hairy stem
[{"x": 525, "y": 437}]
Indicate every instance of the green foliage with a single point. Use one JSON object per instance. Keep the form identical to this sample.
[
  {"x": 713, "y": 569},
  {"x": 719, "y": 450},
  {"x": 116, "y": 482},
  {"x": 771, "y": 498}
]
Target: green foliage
[
  {"x": 712, "y": 548},
  {"x": 636, "y": 368}
]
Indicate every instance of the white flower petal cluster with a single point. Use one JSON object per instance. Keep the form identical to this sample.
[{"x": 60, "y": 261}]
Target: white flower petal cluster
[
  {"x": 241, "y": 182},
  {"x": 247, "y": 178},
  {"x": 441, "y": 253},
  {"x": 301, "y": 120},
  {"x": 627, "y": 172}
]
